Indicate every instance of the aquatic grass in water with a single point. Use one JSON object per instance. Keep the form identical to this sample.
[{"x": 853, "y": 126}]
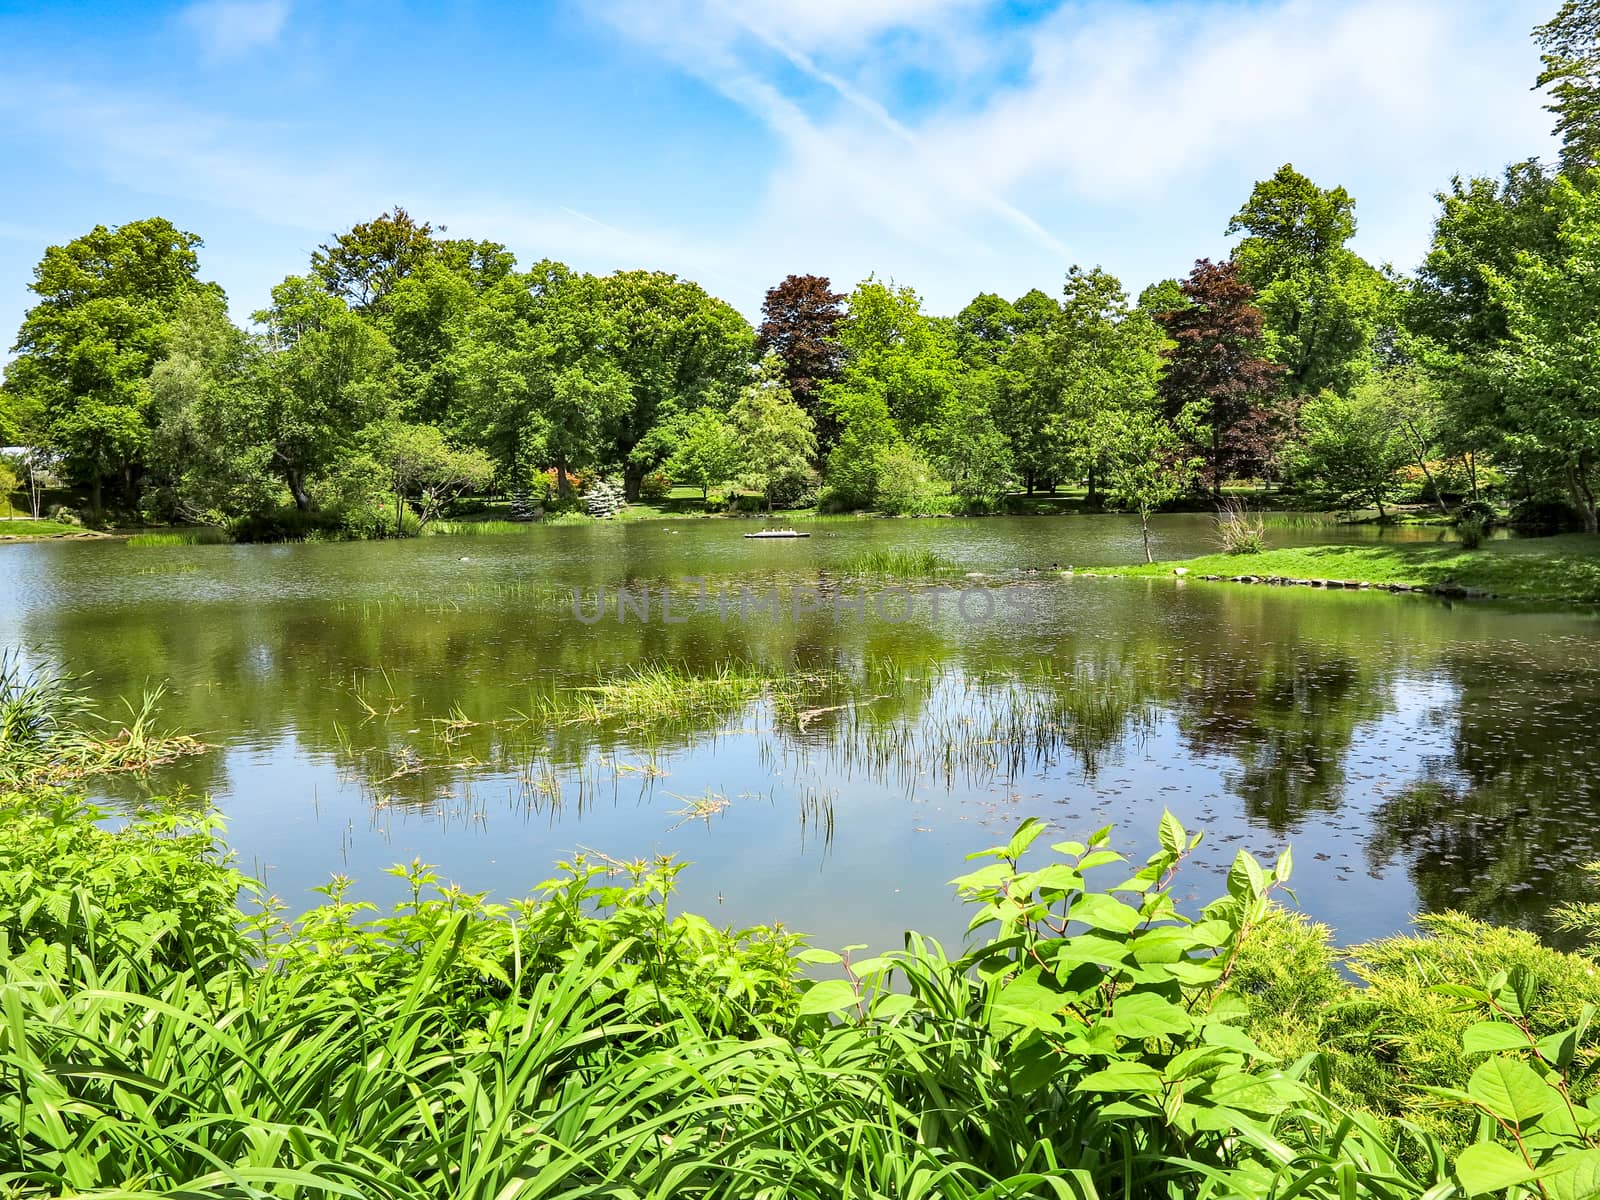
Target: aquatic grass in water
[
  {"x": 203, "y": 536},
  {"x": 475, "y": 528},
  {"x": 897, "y": 564}
]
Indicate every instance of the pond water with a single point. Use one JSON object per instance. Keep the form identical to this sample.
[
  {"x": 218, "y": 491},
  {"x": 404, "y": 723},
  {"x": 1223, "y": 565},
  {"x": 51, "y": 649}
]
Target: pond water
[{"x": 371, "y": 703}]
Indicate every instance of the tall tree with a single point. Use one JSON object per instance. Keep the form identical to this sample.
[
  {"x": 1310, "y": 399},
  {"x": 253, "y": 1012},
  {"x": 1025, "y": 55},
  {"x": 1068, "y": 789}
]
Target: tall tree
[
  {"x": 86, "y": 348},
  {"x": 539, "y": 385},
  {"x": 1552, "y": 307},
  {"x": 1217, "y": 372},
  {"x": 678, "y": 348},
  {"x": 1570, "y": 45},
  {"x": 893, "y": 346},
  {"x": 800, "y": 320},
  {"x": 324, "y": 378},
  {"x": 1321, "y": 299}
]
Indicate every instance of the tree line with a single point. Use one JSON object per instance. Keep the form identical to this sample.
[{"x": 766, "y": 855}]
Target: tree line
[{"x": 406, "y": 368}]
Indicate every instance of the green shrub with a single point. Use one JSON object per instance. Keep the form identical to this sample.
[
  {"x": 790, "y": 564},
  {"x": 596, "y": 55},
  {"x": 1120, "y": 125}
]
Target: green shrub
[
  {"x": 1471, "y": 530},
  {"x": 906, "y": 483}
]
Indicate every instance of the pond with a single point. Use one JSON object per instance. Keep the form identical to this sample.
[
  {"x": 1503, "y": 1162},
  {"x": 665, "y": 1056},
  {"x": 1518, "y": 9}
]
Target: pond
[{"x": 824, "y": 749}]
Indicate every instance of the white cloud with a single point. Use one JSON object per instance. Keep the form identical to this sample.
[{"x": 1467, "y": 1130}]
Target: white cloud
[
  {"x": 229, "y": 29},
  {"x": 1131, "y": 132}
]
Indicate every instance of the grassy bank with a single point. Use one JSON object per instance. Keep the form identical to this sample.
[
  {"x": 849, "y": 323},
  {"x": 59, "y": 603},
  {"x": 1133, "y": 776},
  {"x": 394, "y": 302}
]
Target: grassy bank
[
  {"x": 1564, "y": 568},
  {"x": 22, "y": 528}
]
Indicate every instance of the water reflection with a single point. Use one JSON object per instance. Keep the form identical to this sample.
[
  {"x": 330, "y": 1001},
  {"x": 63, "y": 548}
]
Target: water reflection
[{"x": 436, "y": 698}]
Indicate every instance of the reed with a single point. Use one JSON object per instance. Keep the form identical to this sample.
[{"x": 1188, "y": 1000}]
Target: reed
[{"x": 205, "y": 535}]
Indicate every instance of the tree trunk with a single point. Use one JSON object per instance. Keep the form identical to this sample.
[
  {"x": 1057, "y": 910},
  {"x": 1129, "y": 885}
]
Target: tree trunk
[
  {"x": 632, "y": 480},
  {"x": 1472, "y": 473},
  {"x": 563, "y": 484},
  {"x": 1093, "y": 497},
  {"x": 1144, "y": 528},
  {"x": 95, "y": 495},
  {"x": 1583, "y": 492},
  {"x": 297, "y": 489}
]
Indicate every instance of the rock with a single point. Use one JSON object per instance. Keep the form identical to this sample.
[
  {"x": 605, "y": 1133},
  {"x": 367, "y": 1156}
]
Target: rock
[{"x": 1180, "y": 572}]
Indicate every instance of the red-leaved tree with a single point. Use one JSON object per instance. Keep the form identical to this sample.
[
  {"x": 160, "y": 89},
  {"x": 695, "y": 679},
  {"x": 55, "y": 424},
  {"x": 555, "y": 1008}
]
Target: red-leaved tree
[
  {"x": 799, "y": 319},
  {"x": 1218, "y": 359}
]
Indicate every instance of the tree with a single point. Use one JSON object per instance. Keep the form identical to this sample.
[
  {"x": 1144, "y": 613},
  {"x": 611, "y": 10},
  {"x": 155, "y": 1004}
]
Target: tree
[
  {"x": 1570, "y": 42},
  {"x": 800, "y": 320},
  {"x": 985, "y": 329},
  {"x": 893, "y": 346},
  {"x": 1552, "y": 307},
  {"x": 1216, "y": 368},
  {"x": 362, "y": 266},
  {"x": 777, "y": 439},
  {"x": 208, "y": 457},
  {"x": 1458, "y": 323},
  {"x": 424, "y": 467},
  {"x": 679, "y": 348},
  {"x": 1147, "y": 464},
  {"x": 86, "y": 348},
  {"x": 1100, "y": 356},
  {"x": 866, "y": 434},
  {"x": 323, "y": 380},
  {"x": 707, "y": 453},
  {"x": 1321, "y": 300},
  {"x": 1352, "y": 446},
  {"x": 22, "y": 424},
  {"x": 538, "y": 381}
]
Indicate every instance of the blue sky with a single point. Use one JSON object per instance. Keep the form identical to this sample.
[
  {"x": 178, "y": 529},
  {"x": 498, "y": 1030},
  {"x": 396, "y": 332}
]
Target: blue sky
[{"x": 955, "y": 145}]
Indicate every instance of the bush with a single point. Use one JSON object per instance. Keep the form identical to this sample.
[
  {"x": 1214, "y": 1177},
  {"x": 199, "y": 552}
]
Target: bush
[
  {"x": 906, "y": 484},
  {"x": 61, "y": 514},
  {"x": 1471, "y": 530},
  {"x": 655, "y": 487},
  {"x": 1547, "y": 514}
]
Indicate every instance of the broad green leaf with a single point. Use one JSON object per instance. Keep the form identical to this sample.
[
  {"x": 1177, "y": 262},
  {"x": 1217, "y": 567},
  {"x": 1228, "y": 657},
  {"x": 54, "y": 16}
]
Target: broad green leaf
[
  {"x": 828, "y": 996},
  {"x": 1490, "y": 1167},
  {"x": 817, "y": 958},
  {"x": 1027, "y": 833},
  {"x": 1493, "y": 1036},
  {"x": 1100, "y": 911},
  {"x": 1145, "y": 1015},
  {"x": 1245, "y": 877},
  {"x": 1171, "y": 832},
  {"x": 1573, "y": 1176},
  {"x": 1026, "y": 1003},
  {"x": 1123, "y": 1077},
  {"x": 1512, "y": 1090}
]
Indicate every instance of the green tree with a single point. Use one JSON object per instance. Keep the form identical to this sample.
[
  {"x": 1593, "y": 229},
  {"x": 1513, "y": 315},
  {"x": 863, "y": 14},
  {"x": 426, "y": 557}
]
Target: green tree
[
  {"x": 205, "y": 451},
  {"x": 894, "y": 347},
  {"x": 425, "y": 468},
  {"x": 866, "y": 433},
  {"x": 1570, "y": 45},
  {"x": 1352, "y": 445},
  {"x": 777, "y": 439},
  {"x": 1147, "y": 465},
  {"x": 1321, "y": 300},
  {"x": 323, "y": 379},
  {"x": 707, "y": 453},
  {"x": 1552, "y": 307},
  {"x": 1103, "y": 357},
  {"x": 539, "y": 385},
  {"x": 678, "y": 347},
  {"x": 86, "y": 348}
]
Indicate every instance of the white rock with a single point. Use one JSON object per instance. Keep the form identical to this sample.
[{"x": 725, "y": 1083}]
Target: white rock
[{"x": 1180, "y": 571}]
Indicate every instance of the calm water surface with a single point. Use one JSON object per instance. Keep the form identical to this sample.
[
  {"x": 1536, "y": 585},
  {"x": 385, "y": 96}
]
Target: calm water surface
[{"x": 366, "y": 705}]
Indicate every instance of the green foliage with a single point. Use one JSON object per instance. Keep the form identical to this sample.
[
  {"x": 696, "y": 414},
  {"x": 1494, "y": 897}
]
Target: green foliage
[
  {"x": 707, "y": 453},
  {"x": 776, "y": 438},
  {"x": 906, "y": 483},
  {"x": 1353, "y": 446}
]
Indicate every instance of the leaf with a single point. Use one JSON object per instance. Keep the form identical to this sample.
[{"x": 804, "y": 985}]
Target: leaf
[
  {"x": 1172, "y": 834},
  {"x": 1026, "y": 1003},
  {"x": 1027, "y": 833},
  {"x": 1100, "y": 911},
  {"x": 1492, "y": 1036},
  {"x": 1573, "y": 1176},
  {"x": 1245, "y": 878},
  {"x": 1512, "y": 1090},
  {"x": 815, "y": 957},
  {"x": 1123, "y": 1077},
  {"x": 828, "y": 996},
  {"x": 1144, "y": 1015},
  {"x": 1490, "y": 1167}
]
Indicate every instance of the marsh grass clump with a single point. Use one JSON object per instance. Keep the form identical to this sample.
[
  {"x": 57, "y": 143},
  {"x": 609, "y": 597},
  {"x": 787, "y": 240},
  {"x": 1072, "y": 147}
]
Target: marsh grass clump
[
  {"x": 897, "y": 564},
  {"x": 1238, "y": 530},
  {"x": 205, "y": 535},
  {"x": 475, "y": 528},
  {"x": 51, "y": 733}
]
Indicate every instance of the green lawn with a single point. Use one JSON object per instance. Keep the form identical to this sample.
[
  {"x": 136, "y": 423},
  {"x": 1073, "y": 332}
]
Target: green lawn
[
  {"x": 1553, "y": 568},
  {"x": 21, "y": 527}
]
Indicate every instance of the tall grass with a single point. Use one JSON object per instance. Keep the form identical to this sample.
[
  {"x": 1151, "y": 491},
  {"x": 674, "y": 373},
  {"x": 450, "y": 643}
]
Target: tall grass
[
  {"x": 203, "y": 536},
  {"x": 897, "y": 564},
  {"x": 1238, "y": 530},
  {"x": 475, "y": 528}
]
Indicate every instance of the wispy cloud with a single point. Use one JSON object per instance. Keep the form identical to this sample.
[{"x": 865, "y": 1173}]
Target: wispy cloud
[{"x": 229, "y": 29}]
